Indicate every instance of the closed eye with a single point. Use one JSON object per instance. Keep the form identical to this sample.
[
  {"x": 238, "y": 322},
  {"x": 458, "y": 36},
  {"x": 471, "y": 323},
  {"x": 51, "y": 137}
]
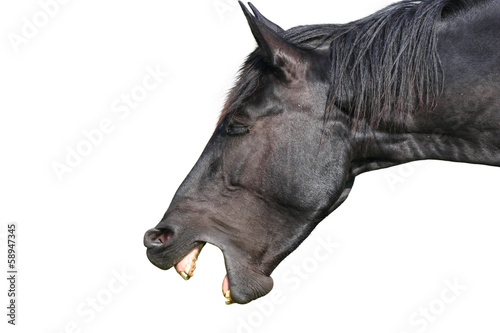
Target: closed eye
[{"x": 235, "y": 128}]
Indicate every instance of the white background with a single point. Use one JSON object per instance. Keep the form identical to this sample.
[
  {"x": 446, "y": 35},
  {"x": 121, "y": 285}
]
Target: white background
[{"x": 402, "y": 233}]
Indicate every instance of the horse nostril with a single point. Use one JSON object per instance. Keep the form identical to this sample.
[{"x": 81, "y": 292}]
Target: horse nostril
[{"x": 156, "y": 237}]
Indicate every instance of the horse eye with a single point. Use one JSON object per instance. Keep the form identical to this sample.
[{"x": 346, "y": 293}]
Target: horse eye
[{"x": 234, "y": 128}]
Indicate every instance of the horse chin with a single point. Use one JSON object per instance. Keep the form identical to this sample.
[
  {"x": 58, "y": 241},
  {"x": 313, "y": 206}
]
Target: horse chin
[{"x": 243, "y": 283}]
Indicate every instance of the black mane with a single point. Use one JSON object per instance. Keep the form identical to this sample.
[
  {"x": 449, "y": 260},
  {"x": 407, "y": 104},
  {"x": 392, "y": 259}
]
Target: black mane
[{"x": 384, "y": 66}]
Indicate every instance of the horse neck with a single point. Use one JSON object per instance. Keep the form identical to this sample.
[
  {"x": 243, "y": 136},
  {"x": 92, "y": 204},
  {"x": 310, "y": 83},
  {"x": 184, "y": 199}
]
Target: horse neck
[
  {"x": 465, "y": 127},
  {"x": 451, "y": 134}
]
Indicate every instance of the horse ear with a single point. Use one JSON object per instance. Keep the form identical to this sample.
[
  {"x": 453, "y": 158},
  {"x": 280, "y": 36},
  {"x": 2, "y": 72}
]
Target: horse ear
[
  {"x": 281, "y": 54},
  {"x": 273, "y": 26}
]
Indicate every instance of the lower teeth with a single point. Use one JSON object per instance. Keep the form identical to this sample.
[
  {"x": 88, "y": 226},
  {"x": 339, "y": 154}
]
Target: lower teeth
[{"x": 228, "y": 297}]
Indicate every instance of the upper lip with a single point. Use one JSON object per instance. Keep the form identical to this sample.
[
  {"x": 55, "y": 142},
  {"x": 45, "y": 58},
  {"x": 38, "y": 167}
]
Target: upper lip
[{"x": 167, "y": 254}]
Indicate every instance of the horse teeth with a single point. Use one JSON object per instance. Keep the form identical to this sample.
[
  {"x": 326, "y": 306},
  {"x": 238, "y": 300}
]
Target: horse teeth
[
  {"x": 184, "y": 276},
  {"x": 228, "y": 297},
  {"x": 187, "y": 270},
  {"x": 189, "y": 263}
]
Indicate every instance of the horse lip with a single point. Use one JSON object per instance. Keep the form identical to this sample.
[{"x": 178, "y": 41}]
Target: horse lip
[
  {"x": 167, "y": 255},
  {"x": 246, "y": 282}
]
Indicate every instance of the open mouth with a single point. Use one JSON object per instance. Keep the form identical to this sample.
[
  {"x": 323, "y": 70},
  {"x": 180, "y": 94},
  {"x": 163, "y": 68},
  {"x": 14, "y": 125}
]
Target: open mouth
[{"x": 187, "y": 265}]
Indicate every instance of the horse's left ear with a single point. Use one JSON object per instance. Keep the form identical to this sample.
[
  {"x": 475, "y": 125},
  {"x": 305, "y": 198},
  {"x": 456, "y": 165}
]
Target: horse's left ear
[
  {"x": 273, "y": 26},
  {"x": 281, "y": 54}
]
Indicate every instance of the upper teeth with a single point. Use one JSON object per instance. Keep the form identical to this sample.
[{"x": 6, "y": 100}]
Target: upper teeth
[{"x": 188, "y": 271}]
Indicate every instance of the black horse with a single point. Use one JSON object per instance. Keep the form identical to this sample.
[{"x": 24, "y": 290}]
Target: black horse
[{"x": 317, "y": 105}]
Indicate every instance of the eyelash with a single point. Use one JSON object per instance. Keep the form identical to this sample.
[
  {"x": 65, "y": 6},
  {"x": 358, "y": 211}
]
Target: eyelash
[{"x": 236, "y": 128}]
